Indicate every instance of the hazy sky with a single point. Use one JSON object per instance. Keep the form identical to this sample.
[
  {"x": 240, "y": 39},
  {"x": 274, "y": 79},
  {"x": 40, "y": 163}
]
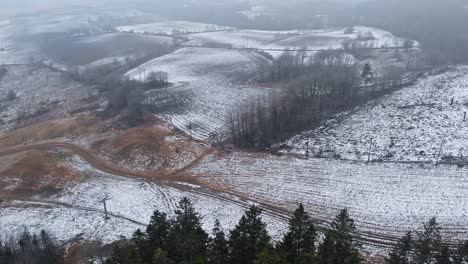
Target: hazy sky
[{"x": 14, "y": 7}]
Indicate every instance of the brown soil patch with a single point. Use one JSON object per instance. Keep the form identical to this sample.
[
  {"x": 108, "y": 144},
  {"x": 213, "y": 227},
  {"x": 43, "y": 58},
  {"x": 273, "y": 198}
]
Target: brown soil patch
[
  {"x": 52, "y": 129},
  {"x": 35, "y": 174},
  {"x": 150, "y": 148}
]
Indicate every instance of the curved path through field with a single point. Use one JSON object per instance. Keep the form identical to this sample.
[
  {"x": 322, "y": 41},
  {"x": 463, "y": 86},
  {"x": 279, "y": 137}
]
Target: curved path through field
[
  {"x": 99, "y": 163},
  {"x": 171, "y": 179}
]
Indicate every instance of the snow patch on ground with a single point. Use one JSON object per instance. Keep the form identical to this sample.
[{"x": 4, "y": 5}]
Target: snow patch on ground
[
  {"x": 385, "y": 199},
  {"x": 206, "y": 87},
  {"x": 408, "y": 125},
  {"x": 37, "y": 87},
  {"x": 79, "y": 212}
]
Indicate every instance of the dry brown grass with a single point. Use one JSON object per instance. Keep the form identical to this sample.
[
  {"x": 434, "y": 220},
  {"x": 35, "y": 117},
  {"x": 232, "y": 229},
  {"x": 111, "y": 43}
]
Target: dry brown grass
[
  {"x": 154, "y": 142},
  {"x": 52, "y": 129},
  {"x": 147, "y": 138},
  {"x": 35, "y": 173}
]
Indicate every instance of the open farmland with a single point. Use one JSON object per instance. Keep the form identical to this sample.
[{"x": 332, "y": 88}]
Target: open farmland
[
  {"x": 416, "y": 123},
  {"x": 208, "y": 85},
  {"x": 210, "y": 82},
  {"x": 81, "y": 121},
  {"x": 77, "y": 212},
  {"x": 40, "y": 94},
  {"x": 171, "y": 27},
  {"x": 21, "y": 37},
  {"x": 100, "y": 49},
  {"x": 385, "y": 199},
  {"x": 296, "y": 39}
]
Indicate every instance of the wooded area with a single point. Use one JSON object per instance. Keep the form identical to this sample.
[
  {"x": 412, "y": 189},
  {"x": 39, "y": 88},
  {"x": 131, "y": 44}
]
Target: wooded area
[{"x": 316, "y": 87}]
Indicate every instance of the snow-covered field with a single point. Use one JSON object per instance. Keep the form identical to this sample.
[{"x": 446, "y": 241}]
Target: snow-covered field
[
  {"x": 384, "y": 199},
  {"x": 207, "y": 87},
  {"x": 38, "y": 90},
  {"x": 191, "y": 64},
  {"x": 211, "y": 82},
  {"x": 310, "y": 39},
  {"x": 171, "y": 27},
  {"x": 79, "y": 211},
  {"x": 100, "y": 49},
  {"x": 21, "y": 37},
  {"x": 408, "y": 125}
]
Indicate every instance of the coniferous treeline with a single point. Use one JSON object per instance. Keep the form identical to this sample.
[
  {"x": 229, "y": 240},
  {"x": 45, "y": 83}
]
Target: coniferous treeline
[
  {"x": 426, "y": 247},
  {"x": 31, "y": 249},
  {"x": 182, "y": 240}
]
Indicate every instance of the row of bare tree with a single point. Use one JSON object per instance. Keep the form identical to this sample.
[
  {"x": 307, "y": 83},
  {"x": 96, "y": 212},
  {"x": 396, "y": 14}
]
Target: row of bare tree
[{"x": 315, "y": 90}]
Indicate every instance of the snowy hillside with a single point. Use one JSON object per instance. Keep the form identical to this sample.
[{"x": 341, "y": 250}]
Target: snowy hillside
[
  {"x": 171, "y": 27},
  {"x": 409, "y": 125},
  {"x": 208, "y": 85},
  {"x": 383, "y": 198},
  {"x": 79, "y": 213}
]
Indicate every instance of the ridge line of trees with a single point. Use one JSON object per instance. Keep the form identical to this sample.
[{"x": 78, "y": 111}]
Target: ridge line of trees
[
  {"x": 316, "y": 87},
  {"x": 182, "y": 239}
]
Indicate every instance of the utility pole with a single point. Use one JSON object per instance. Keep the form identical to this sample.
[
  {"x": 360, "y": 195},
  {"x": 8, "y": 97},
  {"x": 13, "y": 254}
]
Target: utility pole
[
  {"x": 440, "y": 152},
  {"x": 370, "y": 149},
  {"x": 190, "y": 130},
  {"x": 139, "y": 70},
  {"x": 307, "y": 148},
  {"x": 105, "y": 207}
]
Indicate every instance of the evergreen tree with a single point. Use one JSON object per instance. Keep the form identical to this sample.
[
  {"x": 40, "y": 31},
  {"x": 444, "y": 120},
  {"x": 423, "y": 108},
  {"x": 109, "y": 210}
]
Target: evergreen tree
[
  {"x": 48, "y": 247},
  {"x": 218, "y": 250},
  {"x": 249, "y": 237},
  {"x": 300, "y": 239},
  {"x": 327, "y": 249},
  {"x": 444, "y": 256},
  {"x": 269, "y": 256},
  {"x": 157, "y": 231},
  {"x": 187, "y": 239},
  {"x": 124, "y": 252},
  {"x": 139, "y": 251},
  {"x": 346, "y": 247},
  {"x": 401, "y": 253},
  {"x": 461, "y": 253},
  {"x": 160, "y": 257},
  {"x": 428, "y": 243}
]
